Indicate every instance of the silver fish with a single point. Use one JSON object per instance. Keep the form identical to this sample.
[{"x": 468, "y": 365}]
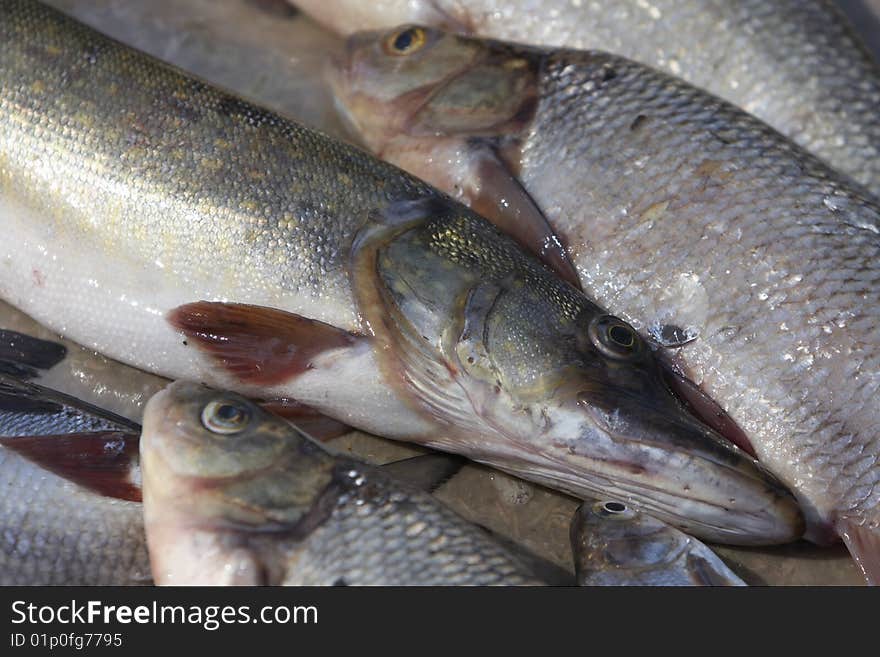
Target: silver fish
[
  {"x": 69, "y": 492},
  {"x": 796, "y": 64},
  {"x": 235, "y": 495},
  {"x": 129, "y": 192},
  {"x": 753, "y": 263},
  {"x": 615, "y": 545},
  {"x": 274, "y": 58}
]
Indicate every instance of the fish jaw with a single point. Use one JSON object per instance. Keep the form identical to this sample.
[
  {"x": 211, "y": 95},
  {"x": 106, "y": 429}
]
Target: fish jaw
[
  {"x": 685, "y": 475},
  {"x": 457, "y": 344}
]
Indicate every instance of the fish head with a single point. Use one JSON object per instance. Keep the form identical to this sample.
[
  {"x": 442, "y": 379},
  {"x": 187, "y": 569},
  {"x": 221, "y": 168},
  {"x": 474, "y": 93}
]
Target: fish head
[
  {"x": 556, "y": 390},
  {"x": 612, "y": 543},
  {"x": 418, "y": 85},
  {"x": 219, "y": 458},
  {"x": 610, "y": 534}
]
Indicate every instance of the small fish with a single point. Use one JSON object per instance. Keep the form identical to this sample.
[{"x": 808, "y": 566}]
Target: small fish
[
  {"x": 749, "y": 262},
  {"x": 615, "y": 545},
  {"x": 795, "y": 64},
  {"x": 235, "y": 495},
  {"x": 69, "y": 492}
]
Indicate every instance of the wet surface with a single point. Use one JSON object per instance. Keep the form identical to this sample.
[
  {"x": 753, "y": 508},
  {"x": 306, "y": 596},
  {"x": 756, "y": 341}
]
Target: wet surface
[
  {"x": 274, "y": 56},
  {"x": 261, "y": 49}
]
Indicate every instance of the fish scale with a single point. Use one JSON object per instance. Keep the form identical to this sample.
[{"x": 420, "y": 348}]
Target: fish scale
[
  {"x": 680, "y": 210},
  {"x": 796, "y": 64},
  {"x": 370, "y": 540},
  {"x": 776, "y": 207}
]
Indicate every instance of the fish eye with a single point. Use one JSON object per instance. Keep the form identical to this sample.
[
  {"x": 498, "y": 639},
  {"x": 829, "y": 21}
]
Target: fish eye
[
  {"x": 225, "y": 417},
  {"x": 612, "y": 508},
  {"x": 614, "y": 337},
  {"x": 406, "y": 41}
]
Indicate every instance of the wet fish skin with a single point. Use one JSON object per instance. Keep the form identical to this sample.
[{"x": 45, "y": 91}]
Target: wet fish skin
[
  {"x": 54, "y": 531},
  {"x": 131, "y": 191},
  {"x": 614, "y": 545},
  {"x": 81, "y": 373},
  {"x": 795, "y": 64},
  {"x": 256, "y": 502},
  {"x": 269, "y": 56},
  {"x": 678, "y": 210}
]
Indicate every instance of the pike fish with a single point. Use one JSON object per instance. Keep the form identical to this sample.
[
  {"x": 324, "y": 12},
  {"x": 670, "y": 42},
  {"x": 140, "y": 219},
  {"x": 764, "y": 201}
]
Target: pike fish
[
  {"x": 69, "y": 492},
  {"x": 236, "y": 496},
  {"x": 615, "y": 545},
  {"x": 182, "y": 230},
  {"x": 752, "y": 261},
  {"x": 795, "y": 64}
]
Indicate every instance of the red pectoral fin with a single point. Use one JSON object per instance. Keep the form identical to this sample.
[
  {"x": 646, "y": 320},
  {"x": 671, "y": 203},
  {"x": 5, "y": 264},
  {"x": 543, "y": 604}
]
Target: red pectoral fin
[
  {"x": 102, "y": 462},
  {"x": 307, "y": 419},
  {"x": 258, "y": 345}
]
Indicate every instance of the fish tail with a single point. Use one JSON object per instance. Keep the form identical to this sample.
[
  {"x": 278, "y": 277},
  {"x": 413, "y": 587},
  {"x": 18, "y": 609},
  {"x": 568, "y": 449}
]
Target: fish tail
[{"x": 23, "y": 356}]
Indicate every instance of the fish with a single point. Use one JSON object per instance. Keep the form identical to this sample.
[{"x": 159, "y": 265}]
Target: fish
[
  {"x": 70, "y": 511},
  {"x": 236, "y": 496},
  {"x": 748, "y": 263},
  {"x": 267, "y": 52},
  {"x": 795, "y": 64},
  {"x": 184, "y": 231},
  {"x": 31, "y": 351},
  {"x": 614, "y": 545}
]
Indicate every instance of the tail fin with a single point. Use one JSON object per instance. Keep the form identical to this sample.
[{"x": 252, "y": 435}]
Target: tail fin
[{"x": 863, "y": 543}]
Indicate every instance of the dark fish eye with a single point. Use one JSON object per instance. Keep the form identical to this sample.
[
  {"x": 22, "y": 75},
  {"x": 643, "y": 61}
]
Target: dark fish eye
[
  {"x": 225, "y": 417},
  {"x": 621, "y": 336},
  {"x": 613, "y": 509},
  {"x": 614, "y": 337},
  {"x": 405, "y": 42}
]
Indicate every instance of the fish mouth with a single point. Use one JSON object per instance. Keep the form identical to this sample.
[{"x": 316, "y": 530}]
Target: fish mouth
[{"x": 671, "y": 466}]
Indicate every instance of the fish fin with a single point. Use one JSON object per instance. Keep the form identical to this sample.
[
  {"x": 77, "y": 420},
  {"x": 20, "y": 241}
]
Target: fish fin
[
  {"x": 706, "y": 409},
  {"x": 256, "y": 344},
  {"x": 102, "y": 461},
  {"x": 705, "y": 573},
  {"x": 23, "y": 355},
  {"x": 427, "y": 471},
  {"x": 863, "y": 544},
  {"x": 307, "y": 419},
  {"x": 501, "y": 198}
]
